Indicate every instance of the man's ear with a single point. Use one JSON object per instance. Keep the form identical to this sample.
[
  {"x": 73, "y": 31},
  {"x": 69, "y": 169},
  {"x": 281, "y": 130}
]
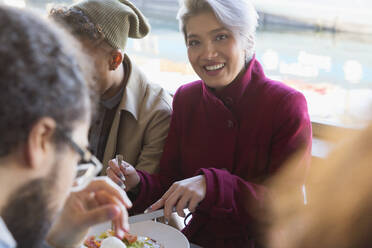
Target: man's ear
[
  {"x": 116, "y": 58},
  {"x": 40, "y": 144}
]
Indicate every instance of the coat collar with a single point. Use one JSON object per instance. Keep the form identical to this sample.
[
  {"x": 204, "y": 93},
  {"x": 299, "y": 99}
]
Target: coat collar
[
  {"x": 232, "y": 93},
  {"x": 133, "y": 94},
  {"x": 134, "y": 90}
]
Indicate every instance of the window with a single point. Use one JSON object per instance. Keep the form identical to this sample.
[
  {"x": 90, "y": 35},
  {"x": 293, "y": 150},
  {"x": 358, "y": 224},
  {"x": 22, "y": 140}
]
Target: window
[{"x": 322, "y": 48}]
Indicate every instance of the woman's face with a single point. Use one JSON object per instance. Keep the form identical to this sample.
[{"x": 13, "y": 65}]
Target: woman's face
[{"x": 213, "y": 51}]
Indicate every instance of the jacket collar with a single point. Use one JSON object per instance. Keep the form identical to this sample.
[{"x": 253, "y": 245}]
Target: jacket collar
[
  {"x": 134, "y": 90},
  {"x": 232, "y": 93}
]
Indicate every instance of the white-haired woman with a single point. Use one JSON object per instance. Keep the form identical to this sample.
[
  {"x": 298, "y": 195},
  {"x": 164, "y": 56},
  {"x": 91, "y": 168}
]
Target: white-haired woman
[{"x": 229, "y": 132}]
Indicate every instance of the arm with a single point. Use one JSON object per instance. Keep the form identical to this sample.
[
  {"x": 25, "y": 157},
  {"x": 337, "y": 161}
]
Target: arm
[{"x": 292, "y": 135}]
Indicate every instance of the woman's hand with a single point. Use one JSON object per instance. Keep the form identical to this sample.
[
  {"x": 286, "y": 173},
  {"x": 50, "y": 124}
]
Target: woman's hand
[
  {"x": 187, "y": 193},
  {"x": 101, "y": 201},
  {"x": 124, "y": 175}
]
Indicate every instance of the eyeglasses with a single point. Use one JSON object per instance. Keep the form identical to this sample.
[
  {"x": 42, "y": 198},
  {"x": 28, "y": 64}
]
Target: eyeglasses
[{"x": 88, "y": 167}]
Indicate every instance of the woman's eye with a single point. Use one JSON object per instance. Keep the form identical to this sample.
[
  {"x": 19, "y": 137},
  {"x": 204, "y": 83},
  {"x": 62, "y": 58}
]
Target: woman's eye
[
  {"x": 192, "y": 43},
  {"x": 221, "y": 37}
]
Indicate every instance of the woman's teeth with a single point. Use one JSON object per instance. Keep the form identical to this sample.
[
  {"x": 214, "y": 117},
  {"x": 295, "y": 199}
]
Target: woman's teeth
[{"x": 214, "y": 67}]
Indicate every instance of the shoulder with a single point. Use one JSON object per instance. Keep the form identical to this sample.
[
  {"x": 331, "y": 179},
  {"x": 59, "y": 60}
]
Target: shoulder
[
  {"x": 277, "y": 93},
  {"x": 279, "y": 101},
  {"x": 188, "y": 93},
  {"x": 278, "y": 90},
  {"x": 287, "y": 103},
  {"x": 143, "y": 99},
  {"x": 270, "y": 92},
  {"x": 158, "y": 95},
  {"x": 152, "y": 95}
]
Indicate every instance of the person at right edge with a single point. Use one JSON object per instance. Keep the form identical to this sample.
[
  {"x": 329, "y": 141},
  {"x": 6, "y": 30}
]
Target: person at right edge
[{"x": 230, "y": 132}]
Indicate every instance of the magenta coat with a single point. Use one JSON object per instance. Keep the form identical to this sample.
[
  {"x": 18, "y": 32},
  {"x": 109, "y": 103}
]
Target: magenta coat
[{"x": 237, "y": 139}]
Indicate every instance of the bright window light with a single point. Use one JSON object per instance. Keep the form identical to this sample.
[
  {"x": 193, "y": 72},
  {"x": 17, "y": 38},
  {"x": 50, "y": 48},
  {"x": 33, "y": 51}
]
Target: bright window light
[{"x": 15, "y": 3}]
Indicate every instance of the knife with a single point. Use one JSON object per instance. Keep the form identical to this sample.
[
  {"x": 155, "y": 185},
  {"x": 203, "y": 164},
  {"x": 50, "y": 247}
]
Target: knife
[{"x": 148, "y": 216}]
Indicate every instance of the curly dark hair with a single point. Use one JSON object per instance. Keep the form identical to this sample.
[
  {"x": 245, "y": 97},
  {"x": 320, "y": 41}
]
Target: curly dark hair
[
  {"x": 39, "y": 77},
  {"x": 77, "y": 22}
]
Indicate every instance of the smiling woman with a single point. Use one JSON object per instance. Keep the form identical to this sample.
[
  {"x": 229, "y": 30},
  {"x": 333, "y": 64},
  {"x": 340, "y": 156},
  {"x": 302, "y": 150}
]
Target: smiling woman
[{"x": 230, "y": 131}]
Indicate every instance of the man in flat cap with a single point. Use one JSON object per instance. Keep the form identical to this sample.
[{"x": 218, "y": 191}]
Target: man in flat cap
[{"x": 134, "y": 115}]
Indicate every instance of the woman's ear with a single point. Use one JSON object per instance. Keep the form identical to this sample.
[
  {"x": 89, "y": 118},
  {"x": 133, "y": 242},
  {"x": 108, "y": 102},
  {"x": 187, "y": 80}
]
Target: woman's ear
[
  {"x": 116, "y": 59},
  {"x": 39, "y": 149}
]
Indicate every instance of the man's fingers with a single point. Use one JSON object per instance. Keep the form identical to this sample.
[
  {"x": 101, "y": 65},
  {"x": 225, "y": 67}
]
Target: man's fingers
[
  {"x": 121, "y": 222},
  {"x": 89, "y": 200},
  {"x": 104, "y": 183},
  {"x": 100, "y": 215}
]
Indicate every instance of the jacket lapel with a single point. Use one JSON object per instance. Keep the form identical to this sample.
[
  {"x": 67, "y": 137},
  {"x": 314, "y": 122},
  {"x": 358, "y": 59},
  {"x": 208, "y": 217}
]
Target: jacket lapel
[
  {"x": 132, "y": 98},
  {"x": 111, "y": 141}
]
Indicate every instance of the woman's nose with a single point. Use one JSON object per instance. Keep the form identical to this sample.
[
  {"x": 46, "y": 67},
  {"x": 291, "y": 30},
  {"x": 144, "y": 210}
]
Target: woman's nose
[{"x": 209, "y": 52}]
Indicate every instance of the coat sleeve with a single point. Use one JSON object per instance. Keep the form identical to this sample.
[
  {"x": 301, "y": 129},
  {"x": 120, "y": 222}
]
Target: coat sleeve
[
  {"x": 232, "y": 197},
  {"x": 155, "y": 185}
]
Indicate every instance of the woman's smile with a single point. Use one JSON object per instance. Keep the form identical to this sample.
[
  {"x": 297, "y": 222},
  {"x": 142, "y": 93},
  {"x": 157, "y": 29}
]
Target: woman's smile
[{"x": 214, "y": 69}]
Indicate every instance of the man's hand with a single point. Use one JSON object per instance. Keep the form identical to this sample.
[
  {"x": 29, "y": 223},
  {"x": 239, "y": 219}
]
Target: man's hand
[{"x": 101, "y": 201}]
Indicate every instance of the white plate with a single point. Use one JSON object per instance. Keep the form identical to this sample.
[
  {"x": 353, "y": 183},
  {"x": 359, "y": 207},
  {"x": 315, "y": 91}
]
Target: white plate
[{"x": 164, "y": 234}]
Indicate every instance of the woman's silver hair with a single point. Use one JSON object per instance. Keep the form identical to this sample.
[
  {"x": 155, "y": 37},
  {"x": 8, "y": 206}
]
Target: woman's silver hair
[{"x": 239, "y": 16}]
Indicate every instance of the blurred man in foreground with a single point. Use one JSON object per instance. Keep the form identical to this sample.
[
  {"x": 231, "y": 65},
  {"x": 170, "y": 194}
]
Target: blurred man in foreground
[
  {"x": 339, "y": 192},
  {"x": 45, "y": 114}
]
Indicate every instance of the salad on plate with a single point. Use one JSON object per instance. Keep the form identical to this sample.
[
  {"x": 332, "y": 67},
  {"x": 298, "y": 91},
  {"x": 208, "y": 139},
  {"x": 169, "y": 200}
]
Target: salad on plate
[{"x": 108, "y": 240}]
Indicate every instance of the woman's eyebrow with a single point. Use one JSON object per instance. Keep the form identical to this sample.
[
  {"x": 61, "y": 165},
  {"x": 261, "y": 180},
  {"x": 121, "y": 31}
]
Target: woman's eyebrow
[
  {"x": 192, "y": 36},
  {"x": 210, "y": 32},
  {"x": 217, "y": 30}
]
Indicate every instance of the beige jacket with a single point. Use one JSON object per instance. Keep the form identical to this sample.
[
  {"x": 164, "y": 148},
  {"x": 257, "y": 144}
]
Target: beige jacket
[{"x": 141, "y": 123}]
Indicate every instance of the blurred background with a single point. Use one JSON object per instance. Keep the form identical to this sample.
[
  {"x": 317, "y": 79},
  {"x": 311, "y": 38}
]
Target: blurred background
[{"x": 323, "y": 48}]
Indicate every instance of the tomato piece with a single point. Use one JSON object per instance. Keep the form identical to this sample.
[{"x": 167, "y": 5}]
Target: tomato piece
[
  {"x": 91, "y": 243},
  {"x": 131, "y": 238},
  {"x": 98, "y": 243}
]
